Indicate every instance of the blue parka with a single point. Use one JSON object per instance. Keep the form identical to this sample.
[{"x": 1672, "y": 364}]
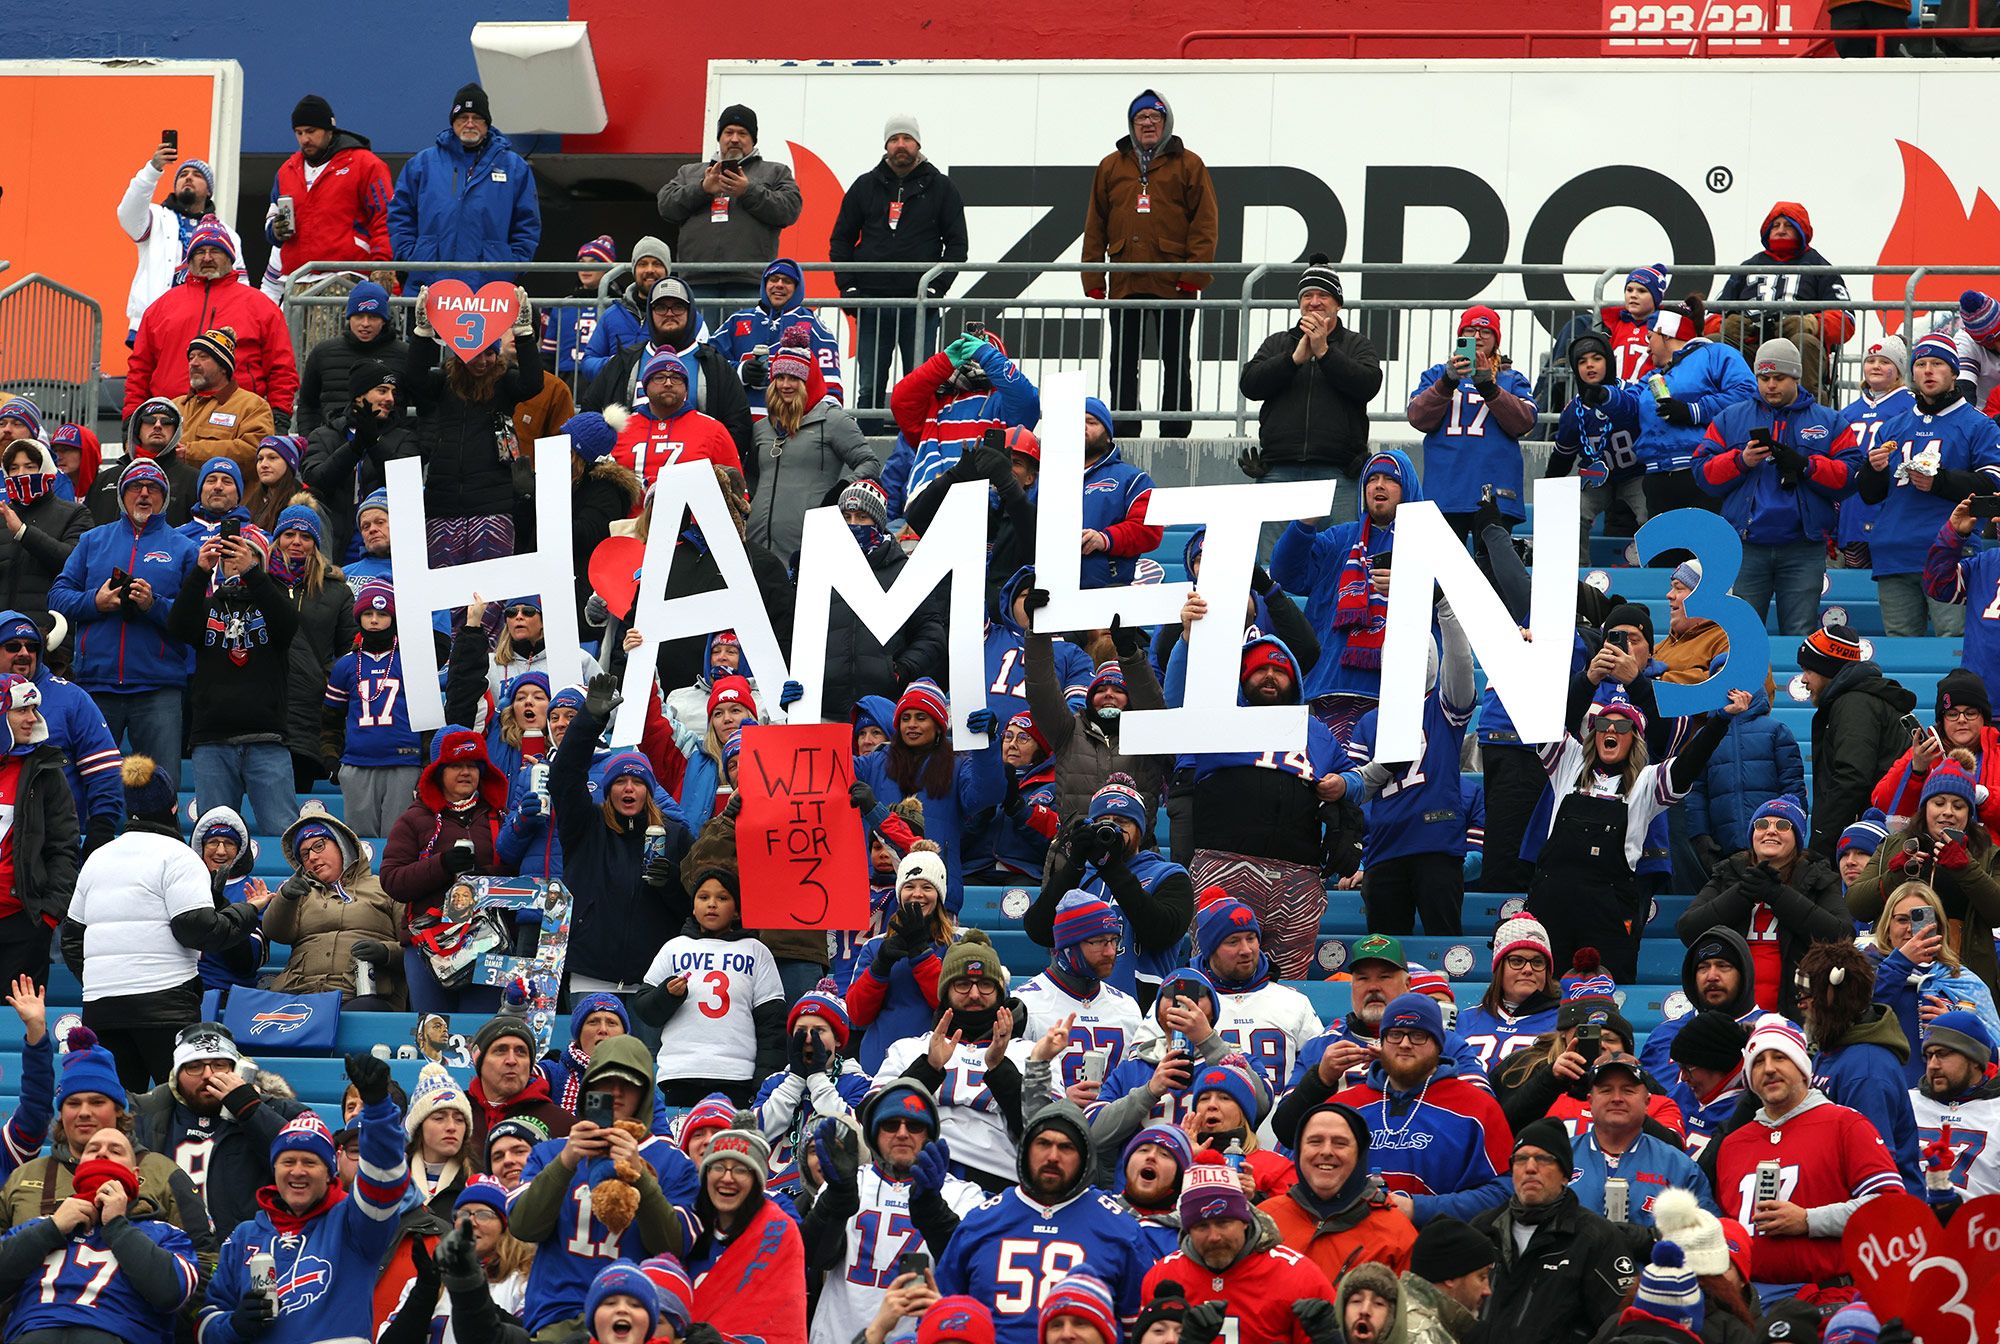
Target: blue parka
[
  {"x": 1707, "y": 376},
  {"x": 455, "y": 204},
  {"x": 1758, "y": 760}
]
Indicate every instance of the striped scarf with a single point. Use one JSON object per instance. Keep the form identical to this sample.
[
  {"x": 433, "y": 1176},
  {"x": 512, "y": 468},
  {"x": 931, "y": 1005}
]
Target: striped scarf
[{"x": 1359, "y": 609}]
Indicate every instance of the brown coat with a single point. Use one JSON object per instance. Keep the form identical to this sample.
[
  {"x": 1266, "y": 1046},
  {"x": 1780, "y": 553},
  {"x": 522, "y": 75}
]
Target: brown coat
[
  {"x": 322, "y": 925},
  {"x": 231, "y": 426},
  {"x": 543, "y": 415},
  {"x": 1180, "y": 226}
]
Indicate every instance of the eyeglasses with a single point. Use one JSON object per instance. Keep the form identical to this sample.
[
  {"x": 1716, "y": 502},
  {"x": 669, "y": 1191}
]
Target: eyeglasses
[
  {"x": 158, "y": 420},
  {"x": 522, "y": 611},
  {"x": 1104, "y": 942},
  {"x": 1963, "y": 712},
  {"x": 1520, "y": 962},
  {"x": 1770, "y": 824},
  {"x": 481, "y": 1214},
  {"x": 1615, "y": 724},
  {"x": 20, "y": 646},
  {"x": 1403, "y": 1037},
  {"x": 904, "y": 1123},
  {"x": 1533, "y": 1160},
  {"x": 315, "y": 845}
]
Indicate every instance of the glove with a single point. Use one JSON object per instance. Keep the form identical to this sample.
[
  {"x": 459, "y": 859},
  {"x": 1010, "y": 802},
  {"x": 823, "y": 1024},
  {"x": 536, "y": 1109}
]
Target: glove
[
  {"x": 1758, "y": 881},
  {"x": 1594, "y": 394},
  {"x": 1124, "y": 638},
  {"x": 790, "y": 694},
  {"x": 756, "y": 374},
  {"x": 370, "y": 1077},
  {"x": 862, "y": 797},
  {"x": 601, "y": 696},
  {"x": 331, "y": 765},
  {"x": 1203, "y": 1322},
  {"x": 962, "y": 349},
  {"x": 701, "y": 1332},
  {"x": 802, "y": 1054},
  {"x": 1093, "y": 293},
  {"x": 425, "y": 1268},
  {"x": 1489, "y": 515},
  {"x": 254, "y": 1314},
  {"x": 927, "y": 1173},
  {"x": 374, "y": 953},
  {"x": 458, "y": 860},
  {"x": 1011, "y": 801},
  {"x": 1318, "y": 1319},
  {"x": 839, "y": 1157},
  {"x": 1447, "y": 381},
  {"x": 596, "y": 612},
  {"x": 1953, "y": 855},
  {"x": 1252, "y": 464},
  {"x": 524, "y": 325},
  {"x": 531, "y": 806},
  {"x": 1261, "y": 580},
  {"x": 982, "y": 721},
  {"x": 1676, "y": 412},
  {"x": 296, "y": 887},
  {"x": 1792, "y": 463},
  {"x": 423, "y": 325},
  {"x": 659, "y": 872},
  {"x": 1036, "y": 599},
  {"x": 458, "y": 1259}
]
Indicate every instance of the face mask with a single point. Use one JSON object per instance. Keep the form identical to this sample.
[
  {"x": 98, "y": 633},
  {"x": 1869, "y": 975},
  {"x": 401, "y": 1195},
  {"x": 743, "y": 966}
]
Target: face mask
[
  {"x": 25, "y": 490},
  {"x": 869, "y": 535},
  {"x": 1109, "y": 713},
  {"x": 975, "y": 1024},
  {"x": 378, "y": 641}
]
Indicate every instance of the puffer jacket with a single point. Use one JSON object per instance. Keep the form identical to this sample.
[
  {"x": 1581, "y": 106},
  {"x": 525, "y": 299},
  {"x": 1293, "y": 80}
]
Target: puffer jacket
[
  {"x": 1316, "y": 411},
  {"x": 465, "y": 205},
  {"x": 1758, "y": 760},
  {"x": 322, "y": 924},
  {"x": 1084, "y": 753},
  {"x": 413, "y": 870},
  {"x": 1901, "y": 789},
  {"x": 326, "y": 631},
  {"x": 323, "y": 392},
  {"x": 465, "y": 475},
  {"x": 1756, "y": 501},
  {"x": 1709, "y": 377},
  {"x": 859, "y": 664},
  {"x": 770, "y": 204},
  {"x": 1179, "y": 224},
  {"x": 52, "y": 529},
  {"x": 805, "y": 471},
  {"x": 1861, "y": 722},
  {"x": 346, "y": 461},
  {"x": 1809, "y": 909}
]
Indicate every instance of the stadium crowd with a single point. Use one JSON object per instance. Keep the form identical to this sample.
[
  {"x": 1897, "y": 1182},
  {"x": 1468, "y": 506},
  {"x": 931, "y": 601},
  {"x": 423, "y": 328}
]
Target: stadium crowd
[{"x": 885, "y": 1133}]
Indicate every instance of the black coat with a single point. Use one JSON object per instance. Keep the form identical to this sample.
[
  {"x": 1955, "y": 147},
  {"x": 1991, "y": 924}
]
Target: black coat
[
  {"x": 720, "y": 395},
  {"x": 230, "y": 700},
  {"x": 343, "y": 468},
  {"x": 326, "y": 630},
  {"x": 240, "y": 1162},
  {"x": 1570, "y": 1279},
  {"x": 1858, "y": 731},
  {"x": 29, "y": 565},
  {"x": 47, "y": 839},
  {"x": 324, "y": 395},
  {"x": 1810, "y": 909},
  {"x": 858, "y": 664},
  {"x": 1316, "y": 411},
  {"x": 931, "y": 229},
  {"x": 464, "y": 476}
]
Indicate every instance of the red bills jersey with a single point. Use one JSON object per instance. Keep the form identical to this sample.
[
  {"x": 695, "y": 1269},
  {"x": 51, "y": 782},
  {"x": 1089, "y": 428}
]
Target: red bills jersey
[
  {"x": 1631, "y": 356},
  {"x": 1259, "y": 1290},
  {"x": 645, "y": 444},
  {"x": 1826, "y": 1155}
]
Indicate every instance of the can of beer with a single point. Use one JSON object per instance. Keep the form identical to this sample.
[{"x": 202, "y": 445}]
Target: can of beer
[
  {"x": 263, "y": 1273},
  {"x": 288, "y": 213},
  {"x": 538, "y": 783},
  {"x": 656, "y": 843},
  {"x": 1658, "y": 383},
  {"x": 1767, "y": 1180},
  {"x": 1617, "y": 1190}
]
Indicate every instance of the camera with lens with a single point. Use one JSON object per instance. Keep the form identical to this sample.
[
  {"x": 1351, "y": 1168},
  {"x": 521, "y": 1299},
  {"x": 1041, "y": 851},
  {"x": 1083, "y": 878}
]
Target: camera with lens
[{"x": 1106, "y": 839}]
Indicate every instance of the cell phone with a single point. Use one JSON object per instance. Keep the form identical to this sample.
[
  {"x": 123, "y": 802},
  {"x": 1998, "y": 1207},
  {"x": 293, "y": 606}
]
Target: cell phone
[
  {"x": 913, "y": 1262},
  {"x": 231, "y": 529},
  {"x": 1590, "y": 1041},
  {"x": 171, "y": 139},
  {"x": 732, "y": 165},
  {"x": 600, "y": 1108},
  {"x": 1984, "y": 506},
  {"x": 996, "y": 439},
  {"x": 976, "y": 329},
  {"x": 1383, "y": 560},
  {"x": 120, "y": 579},
  {"x": 1618, "y": 639},
  {"x": 1922, "y": 919},
  {"x": 1467, "y": 349},
  {"x": 1093, "y": 1065}
]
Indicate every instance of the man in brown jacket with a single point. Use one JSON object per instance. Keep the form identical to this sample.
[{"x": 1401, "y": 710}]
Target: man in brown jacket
[
  {"x": 219, "y": 416},
  {"x": 1152, "y": 202}
]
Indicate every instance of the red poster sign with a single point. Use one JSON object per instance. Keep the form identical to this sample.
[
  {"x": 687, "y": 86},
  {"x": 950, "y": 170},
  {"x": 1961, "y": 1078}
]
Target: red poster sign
[
  {"x": 468, "y": 321},
  {"x": 1751, "y": 28},
  {"x": 799, "y": 845}
]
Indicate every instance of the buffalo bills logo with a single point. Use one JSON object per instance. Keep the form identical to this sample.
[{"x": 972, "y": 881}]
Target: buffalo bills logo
[
  {"x": 464, "y": 749},
  {"x": 157, "y": 558},
  {"x": 914, "y": 1105},
  {"x": 1212, "y": 1209},
  {"x": 1812, "y": 433},
  {"x": 953, "y": 1323},
  {"x": 378, "y": 603},
  {"x": 1215, "y": 1076},
  {"x": 304, "y": 1284},
  {"x": 1100, "y": 487},
  {"x": 281, "y": 1021},
  {"x": 1242, "y": 917},
  {"x": 1406, "y": 1020}
]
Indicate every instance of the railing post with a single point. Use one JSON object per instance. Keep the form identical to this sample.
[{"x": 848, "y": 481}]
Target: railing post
[{"x": 1244, "y": 305}]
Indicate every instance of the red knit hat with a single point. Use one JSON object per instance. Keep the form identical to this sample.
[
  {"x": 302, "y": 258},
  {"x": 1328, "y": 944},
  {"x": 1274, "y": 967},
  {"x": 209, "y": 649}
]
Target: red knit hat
[
  {"x": 1266, "y": 653},
  {"x": 924, "y": 694},
  {"x": 732, "y": 691},
  {"x": 1479, "y": 317}
]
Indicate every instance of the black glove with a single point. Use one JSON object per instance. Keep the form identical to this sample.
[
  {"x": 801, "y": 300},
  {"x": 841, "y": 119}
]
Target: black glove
[
  {"x": 1448, "y": 381},
  {"x": 426, "y": 1270},
  {"x": 332, "y": 767},
  {"x": 1676, "y": 412},
  {"x": 374, "y": 953},
  {"x": 802, "y": 1054},
  {"x": 1594, "y": 394},
  {"x": 1318, "y": 1319},
  {"x": 1107, "y": 843},
  {"x": 1759, "y": 881},
  {"x": 458, "y": 859},
  {"x": 999, "y": 466},
  {"x": 1011, "y": 801},
  {"x": 254, "y": 1314},
  {"x": 1252, "y": 464},
  {"x": 1488, "y": 515},
  {"x": 756, "y": 374},
  {"x": 370, "y": 1077},
  {"x": 1036, "y": 599},
  {"x": 458, "y": 1258},
  {"x": 1203, "y": 1322},
  {"x": 1792, "y": 463},
  {"x": 659, "y": 872},
  {"x": 1075, "y": 838},
  {"x": 601, "y": 696},
  {"x": 1761, "y": 434},
  {"x": 1124, "y": 638},
  {"x": 863, "y": 797},
  {"x": 701, "y": 1332},
  {"x": 1261, "y": 580}
]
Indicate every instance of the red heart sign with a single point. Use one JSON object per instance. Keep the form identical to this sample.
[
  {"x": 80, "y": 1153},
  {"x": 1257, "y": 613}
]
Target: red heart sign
[
  {"x": 467, "y": 322},
  {"x": 1940, "y": 1281},
  {"x": 614, "y": 573}
]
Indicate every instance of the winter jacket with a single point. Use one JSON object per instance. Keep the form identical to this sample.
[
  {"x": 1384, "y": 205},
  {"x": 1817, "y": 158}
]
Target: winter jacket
[
  {"x": 1085, "y": 752},
  {"x": 346, "y": 461},
  {"x": 264, "y": 362},
  {"x": 156, "y": 228},
  {"x": 238, "y": 1162},
  {"x": 1570, "y": 1277},
  {"x": 241, "y": 634},
  {"x": 1861, "y": 722},
  {"x": 1152, "y": 894},
  {"x": 51, "y": 1178},
  {"x": 1657, "y": 1053},
  {"x": 321, "y": 923},
  {"x": 747, "y": 328},
  {"x": 1316, "y": 411},
  {"x": 342, "y": 214},
  {"x": 929, "y": 227},
  {"x": 718, "y": 393},
  {"x": 465, "y": 474},
  {"x": 805, "y": 471},
  {"x": 1709, "y": 377},
  {"x": 1756, "y": 501},
  {"x": 1900, "y": 790},
  {"x": 46, "y": 835},
  {"x": 620, "y": 921},
  {"x": 324, "y": 394},
  {"x": 125, "y": 649},
  {"x": 1447, "y": 1139},
  {"x": 326, "y": 630},
  {"x": 91, "y": 758},
  {"x": 1115, "y": 495},
  {"x": 858, "y": 664},
  {"x": 1808, "y": 909},
  {"x": 748, "y": 228},
  {"x": 1971, "y": 897},
  {"x": 1161, "y": 212},
  {"x": 1366, "y": 1226},
  {"x": 940, "y": 422},
  {"x": 1901, "y": 985},
  {"x": 231, "y": 423},
  {"x": 183, "y": 485},
  {"x": 1257, "y": 1288},
  {"x": 455, "y": 204},
  {"x": 1432, "y": 1317},
  {"x": 413, "y": 871},
  {"x": 50, "y": 530},
  {"x": 1757, "y": 761},
  {"x": 1824, "y": 285},
  {"x": 619, "y": 324},
  {"x": 1864, "y": 1071}
]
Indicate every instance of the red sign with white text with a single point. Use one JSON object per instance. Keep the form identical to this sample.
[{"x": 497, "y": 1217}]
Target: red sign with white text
[{"x": 1754, "y": 28}]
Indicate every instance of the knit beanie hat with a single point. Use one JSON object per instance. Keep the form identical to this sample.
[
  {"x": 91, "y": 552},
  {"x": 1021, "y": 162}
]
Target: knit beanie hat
[
  {"x": 1107, "y": 674},
  {"x": 87, "y": 1067},
  {"x": 289, "y": 447},
  {"x": 1522, "y": 933},
  {"x": 923, "y": 862},
  {"x": 24, "y": 410},
  {"x": 482, "y": 1190},
  {"x": 1593, "y": 342},
  {"x": 307, "y": 1134},
  {"x": 621, "y": 1278},
  {"x": 1119, "y": 797},
  {"x": 1938, "y": 345},
  {"x": 901, "y": 123},
  {"x": 364, "y": 377},
  {"x": 731, "y": 691},
  {"x": 1963, "y": 1031},
  {"x": 1979, "y": 314},
  {"x": 1211, "y": 1191},
  {"x": 1170, "y": 1137},
  {"x": 1865, "y": 835},
  {"x": 1773, "y": 1032},
  {"x": 375, "y": 595},
  {"x": 1892, "y": 349},
  {"x": 1653, "y": 278},
  {"x": 736, "y": 114},
  {"x": 211, "y": 232},
  {"x": 1829, "y": 649},
  {"x": 602, "y": 248},
  {"x": 470, "y": 98},
  {"x": 866, "y": 497},
  {"x": 505, "y": 1024},
  {"x": 1688, "y": 574},
  {"x": 1447, "y": 1248},
  {"x": 1787, "y": 809},
  {"x": 583, "y": 1005},
  {"x": 1852, "y": 1324},
  {"x": 1632, "y": 614},
  {"x": 1084, "y": 1295},
  {"x": 1679, "y": 1217},
  {"x": 674, "y": 1287},
  {"x": 1356, "y": 1123},
  {"x": 713, "y": 1111},
  {"x": 794, "y": 357},
  {"x": 1234, "y": 1083},
  {"x": 1961, "y": 688},
  {"x": 1780, "y": 356},
  {"x": 1081, "y": 916},
  {"x": 523, "y": 1127},
  {"x": 904, "y": 1097},
  {"x": 956, "y": 1320},
  {"x": 370, "y": 299},
  {"x": 822, "y": 1003},
  {"x": 1948, "y": 779},
  {"x": 590, "y": 436},
  {"x": 436, "y": 1090},
  {"x": 927, "y": 696},
  {"x": 971, "y": 958},
  {"x": 1711, "y": 1039},
  {"x": 219, "y": 344},
  {"x": 301, "y": 518},
  {"x": 662, "y": 361},
  {"x": 1169, "y": 1303},
  {"x": 149, "y": 794},
  {"x": 1413, "y": 1012},
  {"x": 1222, "y": 917},
  {"x": 1668, "y": 1289},
  {"x": 743, "y": 1143},
  {"x": 1479, "y": 318},
  {"x": 1549, "y": 1135},
  {"x": 313, "y": 111}
]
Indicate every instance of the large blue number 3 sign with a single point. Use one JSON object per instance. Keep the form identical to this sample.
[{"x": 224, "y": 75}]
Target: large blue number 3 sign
[
  {"x": 471, "y": 338},
  {"x": 1714, "y": 543}
]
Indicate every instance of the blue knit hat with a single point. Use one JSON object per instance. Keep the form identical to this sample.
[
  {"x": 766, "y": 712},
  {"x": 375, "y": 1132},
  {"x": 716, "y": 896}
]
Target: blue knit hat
[
  {"x": 1865, "y": 835},
  {"x": 24, "y": 410},
  {"x": 483, "y": 1190},
  {"x": 590, "y": 436},
  {"x": 1107, "y": 674},
  {"x": 307, "y": 1134},
  {"x": 1414, "y": 1012},
  {"x": 1669, "y": 1290},
  {"x": 628, "y": 762},
  {"x": 1170, "y": 1137},
  {"x": 148, "y": 792},
  {"x": 300, "y": 518},
  {"x": 1948, "y": 778},
  {"x": 584, "y": 1005},
  {"x": 1654, "y": 278},
  {"x": 569, "y": 697},
  {"x": 1979, "y": 314},
  {"x": 1119, "y": 798},
  {"x": 1095, "y": 409},
  {"x": 145, "y": 471},
  {"x": 87, "y": 1067},
  {"x": 663, "y": 361},
  {"x": 1963, "y": 1031},
  {"x": 1081, "y": 916},
  {"x": 1227, "y": 1078},
  {"x": 1937, "y": 345},
  {"x": 1852, "y": 1324},
  {"x": 1218, "y": 920},
  {"x": 374, "y": 499},
  {"x": 210, "y": 232},
  {"x": 1787, "y": 808},
  {"x": 513, "y": 688},
  {"x": 221, "y": 466},
  {"x": 822, "y": 1001},
  {"x": 368, "y": 298},
  {"x": 622, "y": 1277},
  {"x": 899, "y": 1098}
]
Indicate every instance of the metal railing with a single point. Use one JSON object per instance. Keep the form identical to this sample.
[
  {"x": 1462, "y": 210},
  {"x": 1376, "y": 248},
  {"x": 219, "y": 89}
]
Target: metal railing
[
  {"x": 1708, "y": 42},
  {"x": 51, "y": 343},
  {"x": 1409, "y": 311}
]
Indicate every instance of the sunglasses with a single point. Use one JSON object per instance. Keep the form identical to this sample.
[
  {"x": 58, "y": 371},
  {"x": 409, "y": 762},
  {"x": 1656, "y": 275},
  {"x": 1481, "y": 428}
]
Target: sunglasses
[
  {"x": 159, "y": 420},
  {"x": 905, "y": 1123},
  {"x": 1770, "y": 824},
  {"x": 1615, "y": 724},
  {"x": 20, "y": 646},
  {"x": 522, "y": 611}
]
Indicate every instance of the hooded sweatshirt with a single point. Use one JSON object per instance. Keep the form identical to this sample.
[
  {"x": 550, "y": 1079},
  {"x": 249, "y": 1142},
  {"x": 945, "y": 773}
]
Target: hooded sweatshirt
[
  {"x": 1743, "y": 1007},
  {"x": 1258, "y": 1286},
  {"x": 240, "y": 964},
  {"x": 760, "y": 324},
  {"x": 1863, "y": 1071}
]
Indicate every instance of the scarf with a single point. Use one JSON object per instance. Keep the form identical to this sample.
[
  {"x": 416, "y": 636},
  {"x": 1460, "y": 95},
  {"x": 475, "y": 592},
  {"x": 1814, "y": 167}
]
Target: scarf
[
  {"x": 576, "y": 1062},
  {"x": 1359, "y": 610},
  {"x": 285, "y": 570},
  {"x": 492, "y": 1113},
  {"x": 1533, "y": 1215},
  {"x": 289, "y": 1223}
]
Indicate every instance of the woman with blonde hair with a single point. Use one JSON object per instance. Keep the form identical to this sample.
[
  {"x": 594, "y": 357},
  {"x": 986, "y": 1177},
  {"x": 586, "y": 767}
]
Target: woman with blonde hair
[{"x": 1918, "y": 974}]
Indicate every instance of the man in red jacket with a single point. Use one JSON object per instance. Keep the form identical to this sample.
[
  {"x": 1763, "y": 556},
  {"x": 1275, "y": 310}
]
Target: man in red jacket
[
  {"x": 1241, "y": 1281},
  {"x": 668, "y": 428},
  {"x": 213, "y": 297},
  {"x": 339, "y": 193}
]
